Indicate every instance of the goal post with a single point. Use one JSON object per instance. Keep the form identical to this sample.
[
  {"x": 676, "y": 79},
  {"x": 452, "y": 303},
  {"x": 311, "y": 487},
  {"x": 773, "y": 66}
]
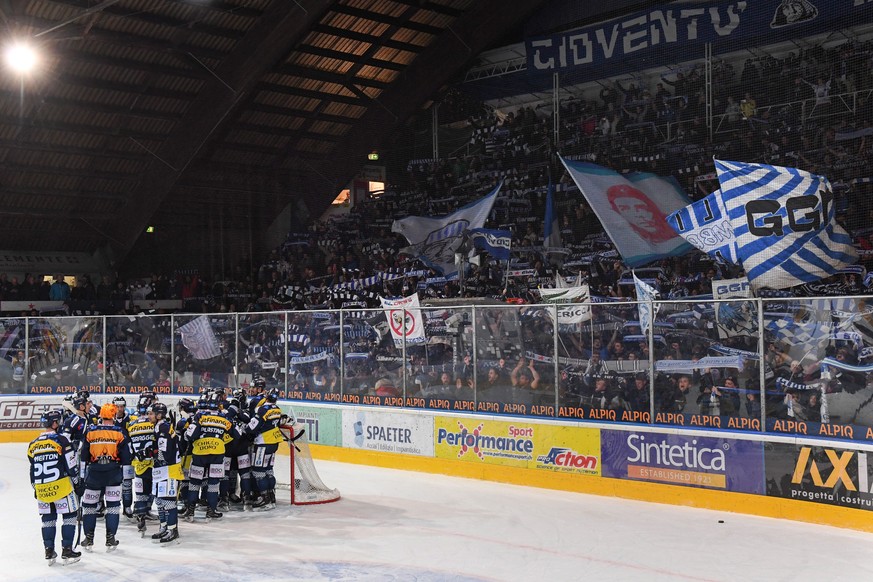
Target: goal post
[{"x": 299, "y": 476}]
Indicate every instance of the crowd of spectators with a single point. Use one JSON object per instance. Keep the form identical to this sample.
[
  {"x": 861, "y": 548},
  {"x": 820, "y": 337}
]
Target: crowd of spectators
[{"x": 809, "y": 109}]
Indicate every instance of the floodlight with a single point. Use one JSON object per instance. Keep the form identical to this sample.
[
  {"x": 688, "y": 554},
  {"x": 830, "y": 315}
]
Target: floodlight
[{"x": 21, "y": 58}]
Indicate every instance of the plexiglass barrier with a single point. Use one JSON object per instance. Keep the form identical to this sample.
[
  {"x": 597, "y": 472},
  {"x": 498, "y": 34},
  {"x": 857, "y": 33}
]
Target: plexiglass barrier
[{"x": 787, "y": 365}]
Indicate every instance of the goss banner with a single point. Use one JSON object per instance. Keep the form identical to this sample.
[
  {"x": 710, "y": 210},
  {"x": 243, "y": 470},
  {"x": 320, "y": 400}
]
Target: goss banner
[
  {"x": 712, "y": 463},
  {"x": 24, "y": 412},
  {"x": 831, "y": 475},
  {"x": 408, "y": 434}
]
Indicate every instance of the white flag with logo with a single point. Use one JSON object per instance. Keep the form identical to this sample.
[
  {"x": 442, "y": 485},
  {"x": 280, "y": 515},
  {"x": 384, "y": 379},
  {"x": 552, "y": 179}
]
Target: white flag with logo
[
  {"x": 435, "y": 240},
  {"x": 735, "y": 318},
  {"x": 646, "y": 294},
  {"x": 404, "y": 319},
  {"x": 573, "y": 303},
  {"x": 198, "y": 337}
]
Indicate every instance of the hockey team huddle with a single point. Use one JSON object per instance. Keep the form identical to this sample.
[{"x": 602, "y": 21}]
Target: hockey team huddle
[{"x": 90, "y": 462}]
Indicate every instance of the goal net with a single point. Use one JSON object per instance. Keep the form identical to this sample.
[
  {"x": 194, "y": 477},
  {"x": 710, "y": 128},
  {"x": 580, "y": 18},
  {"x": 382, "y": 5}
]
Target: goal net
[{"x": 297, "y": 472}]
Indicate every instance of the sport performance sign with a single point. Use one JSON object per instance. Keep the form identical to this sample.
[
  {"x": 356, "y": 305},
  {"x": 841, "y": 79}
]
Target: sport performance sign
[
  {"x": 560, "y": 449},
  {"x": 404, "y": 320}
]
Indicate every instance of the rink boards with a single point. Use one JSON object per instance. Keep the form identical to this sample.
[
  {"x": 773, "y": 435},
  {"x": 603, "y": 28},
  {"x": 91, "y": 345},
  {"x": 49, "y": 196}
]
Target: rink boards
[{"x": 798, "y": 478}]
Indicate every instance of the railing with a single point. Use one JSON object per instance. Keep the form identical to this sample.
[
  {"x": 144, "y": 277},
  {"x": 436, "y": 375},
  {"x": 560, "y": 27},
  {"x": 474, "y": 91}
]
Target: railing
[{"x": 505, "y": 359}]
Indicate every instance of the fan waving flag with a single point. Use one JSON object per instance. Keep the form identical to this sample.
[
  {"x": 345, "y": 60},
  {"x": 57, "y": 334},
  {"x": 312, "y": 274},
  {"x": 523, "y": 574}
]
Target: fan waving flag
[
  {"x": 435, "y": 240},
  {"x": 198, "y": 337},
  {"x": 646, "y": 295},
  {"x": 497, "y": 243},
  {"x": 705, "y": 224},
  {"x": 551, "y": 229},
  {"x": 633, "y": 210},
  {"x": 783, "y": 220}
]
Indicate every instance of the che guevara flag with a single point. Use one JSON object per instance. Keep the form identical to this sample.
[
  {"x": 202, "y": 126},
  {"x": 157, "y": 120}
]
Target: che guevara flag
[{"x": 633, "y": 210}]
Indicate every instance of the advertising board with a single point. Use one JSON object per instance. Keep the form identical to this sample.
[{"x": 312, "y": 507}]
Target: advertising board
[
  {"x": 689, "y": 460},
  {"x": 373, "y": 430},
  {"x": 820, "y": 474}
]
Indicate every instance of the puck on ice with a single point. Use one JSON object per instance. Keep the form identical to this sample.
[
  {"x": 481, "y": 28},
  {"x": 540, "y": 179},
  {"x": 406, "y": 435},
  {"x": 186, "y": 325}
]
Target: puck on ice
[{"x": 721, "y": 521}]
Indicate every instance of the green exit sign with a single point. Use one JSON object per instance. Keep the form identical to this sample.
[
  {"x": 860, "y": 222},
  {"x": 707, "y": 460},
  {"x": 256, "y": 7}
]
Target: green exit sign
[
  {"x": 373, "y": 157},
  {"x": 150, "y": 229}
]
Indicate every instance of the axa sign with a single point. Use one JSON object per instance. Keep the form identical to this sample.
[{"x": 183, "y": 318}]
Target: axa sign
[{"x": 838, "y": 472}]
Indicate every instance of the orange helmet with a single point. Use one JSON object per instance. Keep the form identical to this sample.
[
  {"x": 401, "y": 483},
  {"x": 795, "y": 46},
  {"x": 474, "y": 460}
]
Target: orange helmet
[{"x": 108, "y": 411}]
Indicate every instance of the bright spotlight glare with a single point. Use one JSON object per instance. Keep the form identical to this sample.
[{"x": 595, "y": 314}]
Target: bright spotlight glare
[{"x": 21, "y": 58}]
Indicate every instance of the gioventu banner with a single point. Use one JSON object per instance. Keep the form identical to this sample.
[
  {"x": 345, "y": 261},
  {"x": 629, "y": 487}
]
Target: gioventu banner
[{"x": 679, "y": 31}]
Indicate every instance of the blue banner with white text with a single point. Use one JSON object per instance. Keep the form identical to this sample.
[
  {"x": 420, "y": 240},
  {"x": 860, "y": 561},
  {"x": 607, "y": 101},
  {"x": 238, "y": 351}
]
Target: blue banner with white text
[{"x": 679, "y": 31}]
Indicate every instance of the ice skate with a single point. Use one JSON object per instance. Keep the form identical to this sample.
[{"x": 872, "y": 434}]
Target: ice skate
[
  {"x": 170, "y": 537},
  {"x": 69, "y": 556},
  {"x": 111, "y": 542},
  {"x": 88, "y": 543}
]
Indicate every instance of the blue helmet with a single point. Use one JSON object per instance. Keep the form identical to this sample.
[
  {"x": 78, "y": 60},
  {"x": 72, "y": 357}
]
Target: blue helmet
[
  {"x": 146, "y": 399},
  {"x": 187, "y": 405},
  {"x": 160, "y": 409},
  {"x": 272, "y": 395},
  {"x": 49, "y": 418}
]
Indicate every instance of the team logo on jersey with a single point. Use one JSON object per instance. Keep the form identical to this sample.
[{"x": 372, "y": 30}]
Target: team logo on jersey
[{"x": 791, "y": 12}]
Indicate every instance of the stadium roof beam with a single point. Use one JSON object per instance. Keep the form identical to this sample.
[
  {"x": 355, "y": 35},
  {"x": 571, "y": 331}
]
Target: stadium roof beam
[
  {"x": 275, "y": 33},
  {"x": 480, "y": 27}
]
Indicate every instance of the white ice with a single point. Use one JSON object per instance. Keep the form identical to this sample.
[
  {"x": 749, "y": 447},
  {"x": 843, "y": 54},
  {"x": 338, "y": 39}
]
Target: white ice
[{"x": 404, "y": 526}]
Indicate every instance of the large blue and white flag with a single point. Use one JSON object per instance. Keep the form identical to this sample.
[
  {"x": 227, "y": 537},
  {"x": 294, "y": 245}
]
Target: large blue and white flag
[
  {"x": 198, "y": 337},
  {"x": 551, "y": 228},
  {"x": 646, "y": 294},
  {"x": 705, "y": 224},
  {"x": 783, "y": 220},
  {"x": 633, "y": 210},
  {"x": 435, "y": 240},
  {"x": 497, "y": 243}
]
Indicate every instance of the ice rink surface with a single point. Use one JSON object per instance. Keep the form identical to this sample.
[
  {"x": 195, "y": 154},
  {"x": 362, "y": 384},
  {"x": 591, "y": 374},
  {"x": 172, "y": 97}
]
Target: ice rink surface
[{"x": 402, "y": 526}]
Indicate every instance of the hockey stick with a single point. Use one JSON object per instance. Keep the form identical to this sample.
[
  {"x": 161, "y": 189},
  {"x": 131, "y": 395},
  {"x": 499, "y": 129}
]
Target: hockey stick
[{"x": 290, "y": 439}]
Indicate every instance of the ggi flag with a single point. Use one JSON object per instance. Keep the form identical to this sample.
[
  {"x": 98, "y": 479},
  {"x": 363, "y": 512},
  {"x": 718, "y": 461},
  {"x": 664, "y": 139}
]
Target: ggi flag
[{"x": 633, "y": 210}]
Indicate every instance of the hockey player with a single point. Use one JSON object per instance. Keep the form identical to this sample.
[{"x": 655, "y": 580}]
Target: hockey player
[
  {"x": 54, "y": 474},
  {"x": 238, "y": 451},
  {"x": 145, "y": 400},
  {"x": 264, "y": 425},
  {"x": 74, "y": 426},
  {"x": 187, "y": 409},
  {"x": 208, "y": 434},
  {"x": 123, "y": 420},
  {"x": 166, "y": 474},
  {"x": 76, "y": 422},
  {"x": 105, "y": 451},
  {"x": 92, "y": 413},
  {"x": 142, "y": 441}
]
